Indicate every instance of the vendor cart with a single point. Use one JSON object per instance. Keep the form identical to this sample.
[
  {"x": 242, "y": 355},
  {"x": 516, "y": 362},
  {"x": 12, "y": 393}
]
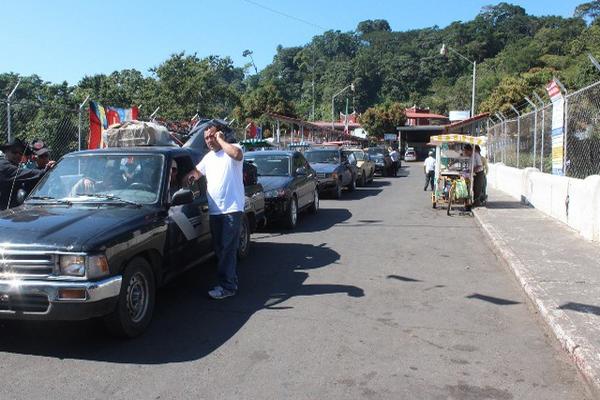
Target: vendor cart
[{"x": 453, "y": 182}]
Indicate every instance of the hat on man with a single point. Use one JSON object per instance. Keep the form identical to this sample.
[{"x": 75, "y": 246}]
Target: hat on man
[
  {"x": 431, "y": 153},
  {"x": 39, "y": 147},
  {"x": 14, "y": 143}
]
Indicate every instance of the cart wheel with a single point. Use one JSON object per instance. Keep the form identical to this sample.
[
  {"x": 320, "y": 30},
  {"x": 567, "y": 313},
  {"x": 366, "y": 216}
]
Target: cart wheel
[
  {"x": 433, "y": 205},
  {"x": 450, "y": 197}
]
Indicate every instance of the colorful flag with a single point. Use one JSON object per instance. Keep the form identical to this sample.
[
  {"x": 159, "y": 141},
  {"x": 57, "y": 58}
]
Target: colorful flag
[{"x": 103, "y": 117}]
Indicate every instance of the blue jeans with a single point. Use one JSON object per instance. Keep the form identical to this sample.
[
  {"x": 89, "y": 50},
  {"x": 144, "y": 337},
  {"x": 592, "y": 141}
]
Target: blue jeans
[{"x": 225, "y": 230}]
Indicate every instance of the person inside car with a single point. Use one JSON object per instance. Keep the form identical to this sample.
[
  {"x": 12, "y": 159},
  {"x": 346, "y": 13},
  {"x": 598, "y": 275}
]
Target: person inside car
[{"x": 174, "y": 182}]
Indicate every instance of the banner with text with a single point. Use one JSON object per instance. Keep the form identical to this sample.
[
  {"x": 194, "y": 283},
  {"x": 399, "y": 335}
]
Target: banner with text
[{"x": 558, "y": 122}]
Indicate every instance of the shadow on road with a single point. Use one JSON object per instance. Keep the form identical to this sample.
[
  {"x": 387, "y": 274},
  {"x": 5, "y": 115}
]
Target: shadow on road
[
  {"x": 403, "y": 278},
  {"x": 323, "y": 220},
  {"x": 581, "y": 307},
  {"x": 505, "y": 205},
  {"x": 360, "y": 193},
  {"x": 494, "y": 300},
  {"x": 187, "y": 324}
]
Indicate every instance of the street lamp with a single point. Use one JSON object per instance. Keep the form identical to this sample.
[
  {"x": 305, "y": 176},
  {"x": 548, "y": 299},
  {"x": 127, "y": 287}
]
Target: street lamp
[
  {"x": 351, "y": 87},
  {"x": 248, "y": 53},
  {"x": 444, "y": 52}
]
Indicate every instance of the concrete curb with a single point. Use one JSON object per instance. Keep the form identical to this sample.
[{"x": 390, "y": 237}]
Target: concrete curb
[{"x": 577, "y": 347}]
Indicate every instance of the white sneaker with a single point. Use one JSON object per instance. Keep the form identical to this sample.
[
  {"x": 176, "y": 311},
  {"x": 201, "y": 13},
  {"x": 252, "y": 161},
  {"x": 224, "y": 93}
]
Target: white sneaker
[{"x": 219, "y": 293}]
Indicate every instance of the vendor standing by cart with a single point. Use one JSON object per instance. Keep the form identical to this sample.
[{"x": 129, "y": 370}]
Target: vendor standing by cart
[{"x": 478, "y": 174}]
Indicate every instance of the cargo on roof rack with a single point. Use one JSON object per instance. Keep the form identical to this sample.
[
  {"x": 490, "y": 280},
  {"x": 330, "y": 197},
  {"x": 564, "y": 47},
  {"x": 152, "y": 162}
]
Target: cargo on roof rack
[{"x": 137, "y": 133}]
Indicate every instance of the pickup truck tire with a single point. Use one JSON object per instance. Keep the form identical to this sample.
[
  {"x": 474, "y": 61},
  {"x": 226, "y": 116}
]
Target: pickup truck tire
[
  {"x": 314, "y": 207},
  {"x": 244, "y": 247},
  {"x": 291, "y": 217},
  {"x": 136, "y": 301}
]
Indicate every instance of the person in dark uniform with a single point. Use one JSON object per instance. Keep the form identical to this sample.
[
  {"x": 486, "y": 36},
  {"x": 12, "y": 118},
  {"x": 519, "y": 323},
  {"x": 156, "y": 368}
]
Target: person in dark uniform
[{"x": 13, "y": 177}]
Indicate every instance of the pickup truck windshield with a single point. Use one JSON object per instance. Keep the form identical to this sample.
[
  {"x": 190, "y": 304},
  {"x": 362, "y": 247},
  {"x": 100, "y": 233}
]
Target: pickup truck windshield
[
  {"x": 271, "y": 165},
  {"x": 103, "y": 178},
  {"x": 323, "y": 156}
]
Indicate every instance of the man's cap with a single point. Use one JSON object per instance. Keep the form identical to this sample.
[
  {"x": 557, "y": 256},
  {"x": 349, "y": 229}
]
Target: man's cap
[
  {"x": 431, "y": 153},
  {"x": 14, "y": 143}
]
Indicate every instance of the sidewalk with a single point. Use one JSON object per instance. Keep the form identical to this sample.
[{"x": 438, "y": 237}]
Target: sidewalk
[{"x": 558, "y": 270}]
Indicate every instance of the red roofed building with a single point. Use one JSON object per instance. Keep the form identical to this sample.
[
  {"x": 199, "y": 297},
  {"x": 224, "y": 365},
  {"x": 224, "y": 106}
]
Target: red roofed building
[{"x": 421, "y": 116}]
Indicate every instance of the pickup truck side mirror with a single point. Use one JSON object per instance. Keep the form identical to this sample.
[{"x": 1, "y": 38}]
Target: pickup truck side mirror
[
  {"x": 21, "y": 195},
  {"x": 182, "y": 196},
  {"x": 301, "y": 171}
]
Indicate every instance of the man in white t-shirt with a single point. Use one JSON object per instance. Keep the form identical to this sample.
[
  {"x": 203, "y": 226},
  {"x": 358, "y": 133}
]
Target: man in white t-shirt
[
  {"x": 223, "y": 168},
  {"x": 395, "y": 156},
  {"x": 429, "y": 166}
]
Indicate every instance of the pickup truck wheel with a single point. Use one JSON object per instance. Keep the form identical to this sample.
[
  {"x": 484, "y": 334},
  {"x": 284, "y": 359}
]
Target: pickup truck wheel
[
  {"x": 314, "y": 207},
  {"x": 136, "y": 301},
  {"x": 291, "y": 218},
  {"x": 244, "y": 247}
]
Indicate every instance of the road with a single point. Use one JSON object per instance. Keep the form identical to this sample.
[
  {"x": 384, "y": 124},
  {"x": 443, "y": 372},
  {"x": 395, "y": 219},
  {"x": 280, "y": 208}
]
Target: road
[{"x": 377, "y": 297}]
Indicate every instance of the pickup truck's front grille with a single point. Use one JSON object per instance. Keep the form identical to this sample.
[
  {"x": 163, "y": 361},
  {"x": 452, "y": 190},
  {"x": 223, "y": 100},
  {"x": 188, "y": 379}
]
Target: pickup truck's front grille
[
  {"x": 321, "y": 175},
  {"x": 25, "y": 303},
  {"x": 22, "y": 263}
]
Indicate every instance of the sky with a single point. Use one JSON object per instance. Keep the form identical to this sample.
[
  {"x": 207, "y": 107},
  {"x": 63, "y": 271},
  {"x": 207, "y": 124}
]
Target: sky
[{"x": 64, "y": 40}]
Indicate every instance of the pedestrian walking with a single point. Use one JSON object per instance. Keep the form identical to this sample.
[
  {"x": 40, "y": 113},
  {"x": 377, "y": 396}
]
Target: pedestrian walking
[
  {"x": 223, "y": 168},
  {"x": 429, "y": 168},
  {"x": 395, "y": 156}
]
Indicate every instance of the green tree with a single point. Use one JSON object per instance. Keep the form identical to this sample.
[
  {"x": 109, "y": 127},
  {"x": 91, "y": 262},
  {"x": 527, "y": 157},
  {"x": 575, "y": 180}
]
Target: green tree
[{"x": 383, "y": 118}]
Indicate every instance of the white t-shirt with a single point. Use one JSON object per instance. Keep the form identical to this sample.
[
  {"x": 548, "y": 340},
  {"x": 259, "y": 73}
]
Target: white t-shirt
[
  {"x": 429, "y": 164},
  {"x": 395, "y": 156},
  {"x": 224, "y": 182}
]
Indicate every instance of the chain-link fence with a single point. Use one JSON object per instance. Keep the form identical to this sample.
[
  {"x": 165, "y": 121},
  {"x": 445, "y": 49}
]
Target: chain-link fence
[
  {"x": 582, "y": 156},
  {"x": 61, "y": 128},
  {"x": 526, "y": 141}
]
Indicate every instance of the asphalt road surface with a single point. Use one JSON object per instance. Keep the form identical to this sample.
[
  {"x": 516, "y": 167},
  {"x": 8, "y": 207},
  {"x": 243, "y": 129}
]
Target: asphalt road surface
[{"x": 377, "y": 297}]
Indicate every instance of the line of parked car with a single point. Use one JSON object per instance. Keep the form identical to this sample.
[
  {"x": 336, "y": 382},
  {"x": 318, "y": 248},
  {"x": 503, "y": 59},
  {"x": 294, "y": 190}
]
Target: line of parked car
[
  {"x": 294, "y": 181},
  {"x": 105, "y": 228}
]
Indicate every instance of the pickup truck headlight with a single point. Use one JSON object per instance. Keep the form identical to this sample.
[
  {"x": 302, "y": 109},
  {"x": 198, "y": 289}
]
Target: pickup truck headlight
[{"x": 78, "y": 265}]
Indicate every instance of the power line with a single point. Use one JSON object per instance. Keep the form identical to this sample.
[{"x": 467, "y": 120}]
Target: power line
[{"x": 285, "y": 15}]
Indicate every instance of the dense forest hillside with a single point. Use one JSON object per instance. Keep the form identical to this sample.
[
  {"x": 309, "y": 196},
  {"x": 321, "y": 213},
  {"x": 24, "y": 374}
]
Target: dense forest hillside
[{"x": 516, "y": 54}]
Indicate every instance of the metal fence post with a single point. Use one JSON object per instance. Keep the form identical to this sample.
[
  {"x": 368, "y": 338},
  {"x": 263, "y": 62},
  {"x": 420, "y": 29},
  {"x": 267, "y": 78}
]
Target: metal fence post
[
  {"x": 8, "y": 127},
  {"x": 518, "y": 134},
  {"x": 79, "y": 127},
  {"x": 538, "y": 98},
  {"x": 535, "y": 110}
]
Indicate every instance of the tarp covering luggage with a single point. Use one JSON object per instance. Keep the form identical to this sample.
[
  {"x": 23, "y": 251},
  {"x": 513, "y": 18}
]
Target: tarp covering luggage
[{"x": 137, "y": 133}]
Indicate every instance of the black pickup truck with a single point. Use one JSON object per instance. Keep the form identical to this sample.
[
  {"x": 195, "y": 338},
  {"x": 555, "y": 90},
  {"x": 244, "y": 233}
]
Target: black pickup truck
[{"x": 101, "y": 231}]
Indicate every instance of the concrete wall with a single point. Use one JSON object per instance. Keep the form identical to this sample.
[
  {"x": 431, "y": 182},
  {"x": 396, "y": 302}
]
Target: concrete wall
[{"x": 575, "y": 202}]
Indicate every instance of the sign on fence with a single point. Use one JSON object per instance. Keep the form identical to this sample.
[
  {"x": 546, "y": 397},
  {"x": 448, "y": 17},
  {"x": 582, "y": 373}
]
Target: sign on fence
[
  {"x": 390, "y": 136},
  {"x": 558, "y": 122}
]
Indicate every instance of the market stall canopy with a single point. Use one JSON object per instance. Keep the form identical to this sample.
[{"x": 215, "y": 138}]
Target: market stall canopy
[{"x": 474, "y": 140}]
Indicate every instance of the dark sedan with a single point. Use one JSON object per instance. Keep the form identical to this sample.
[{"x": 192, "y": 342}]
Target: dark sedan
[
  {"x": 383, "y": 161},
  {"x": 289, "y": 183},
  {"x": 334, "y": 168}
]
